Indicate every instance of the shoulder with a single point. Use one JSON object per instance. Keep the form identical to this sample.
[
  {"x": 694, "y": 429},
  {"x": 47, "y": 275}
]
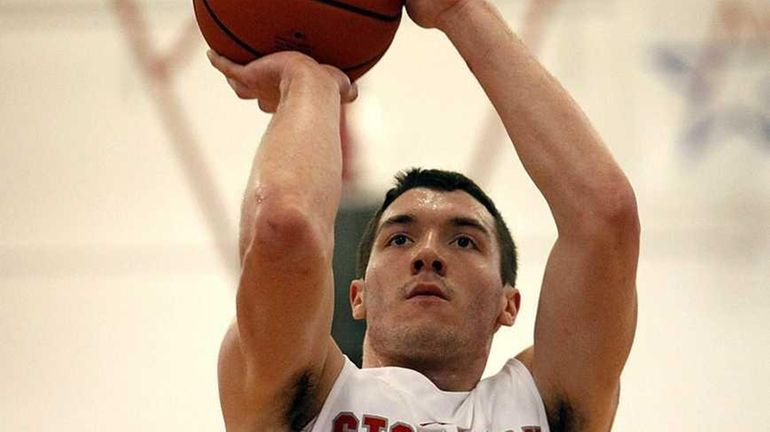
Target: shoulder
[{"x": 526, "y": 357}]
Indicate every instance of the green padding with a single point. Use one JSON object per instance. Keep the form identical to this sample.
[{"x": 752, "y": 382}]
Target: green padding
[{"x": 349, "y": 227}]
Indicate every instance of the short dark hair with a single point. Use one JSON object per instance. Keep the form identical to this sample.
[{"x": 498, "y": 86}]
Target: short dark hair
[{"x": 448, "y": 181}]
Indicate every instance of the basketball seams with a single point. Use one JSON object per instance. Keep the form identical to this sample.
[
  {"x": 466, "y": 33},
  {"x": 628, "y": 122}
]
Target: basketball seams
[
  {"x": 360, "y": 11},
  {"x": 366, "y": 63},
  {"x": 228, "y": 32}
]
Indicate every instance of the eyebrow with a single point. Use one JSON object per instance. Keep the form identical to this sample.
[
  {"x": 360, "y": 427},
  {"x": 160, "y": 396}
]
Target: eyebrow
[
  {"x": 467, "y": 222},
  {"x": 457, "y": 221},
  {"x": 399, "y": 219}
]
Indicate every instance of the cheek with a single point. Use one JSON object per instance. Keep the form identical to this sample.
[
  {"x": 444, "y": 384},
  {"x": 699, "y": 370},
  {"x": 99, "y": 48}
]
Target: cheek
[
  {"x": 373, "y": 295},
  {"x": 486, "y": 297},
  {"x": 476, "y": 270},
  {"x": 374, "y": 275},
  {"x": 387, "y": 270},
  {"x": 375, "y": 265},
  {"x": 482, "y": 316},
  {"x": 386, "y": 259}
]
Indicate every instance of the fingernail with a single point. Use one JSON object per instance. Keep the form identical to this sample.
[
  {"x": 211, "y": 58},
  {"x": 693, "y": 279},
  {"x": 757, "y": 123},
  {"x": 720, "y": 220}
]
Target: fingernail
[{"x": 210, "y": 54}]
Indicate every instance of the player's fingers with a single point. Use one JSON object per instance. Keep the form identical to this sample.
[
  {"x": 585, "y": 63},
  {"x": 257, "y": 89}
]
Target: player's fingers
[
  {"x": 267, "y": 107},
  {"x": 351, "y": 95},
  {"x": 223, "y": 64},
  {"x": 348, "y": 90},
  {"x": 243, "y": 91},
  {"x": 354, "y": 92}
]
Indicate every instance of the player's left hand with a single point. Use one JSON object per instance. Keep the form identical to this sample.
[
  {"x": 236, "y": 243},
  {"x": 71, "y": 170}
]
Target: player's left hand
[{"x": 430, "y": 13}]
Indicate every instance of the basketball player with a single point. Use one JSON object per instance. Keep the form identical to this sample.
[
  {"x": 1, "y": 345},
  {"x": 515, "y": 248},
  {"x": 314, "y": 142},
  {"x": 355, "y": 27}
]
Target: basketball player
[{"x": 439, "y": 277}]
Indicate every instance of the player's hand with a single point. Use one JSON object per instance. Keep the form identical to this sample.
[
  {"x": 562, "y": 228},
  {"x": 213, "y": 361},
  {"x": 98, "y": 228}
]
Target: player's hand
[
  {"x": 430, "y": 13},
  {"x": 266, "y": 78}
]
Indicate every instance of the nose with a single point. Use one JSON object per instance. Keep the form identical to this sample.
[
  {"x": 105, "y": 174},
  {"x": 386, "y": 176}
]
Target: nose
[{"x": 428, "y": 259}]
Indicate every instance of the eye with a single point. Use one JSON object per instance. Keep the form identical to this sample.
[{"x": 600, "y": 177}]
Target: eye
[
  {"x": 465, "y": 242},
  {"x": 398, "y": 240}
]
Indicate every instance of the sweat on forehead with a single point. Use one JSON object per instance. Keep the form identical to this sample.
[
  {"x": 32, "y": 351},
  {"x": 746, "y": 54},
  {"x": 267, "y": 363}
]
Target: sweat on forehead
[
  {"x": 422, "y": 205},
  {"x": 427, "y": 198}
]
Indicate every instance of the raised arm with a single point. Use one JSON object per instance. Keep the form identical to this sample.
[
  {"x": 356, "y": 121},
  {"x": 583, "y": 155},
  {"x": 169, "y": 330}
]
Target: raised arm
[
  {"x": 587, "y": 312},
  {"x": 279, "y": 353}
]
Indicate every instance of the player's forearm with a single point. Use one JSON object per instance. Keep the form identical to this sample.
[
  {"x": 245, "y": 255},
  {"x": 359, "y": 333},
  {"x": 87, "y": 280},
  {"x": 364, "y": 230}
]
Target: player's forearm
[
  {"x": 298, "y": 163},
  {"x": 557, "y": 145}
]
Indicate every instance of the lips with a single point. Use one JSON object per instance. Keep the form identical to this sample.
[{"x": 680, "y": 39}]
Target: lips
[{"x": 427, "y": 289}]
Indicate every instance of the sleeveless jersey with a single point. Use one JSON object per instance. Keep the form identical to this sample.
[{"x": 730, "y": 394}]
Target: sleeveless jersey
[{"x": 394, "y": 399}]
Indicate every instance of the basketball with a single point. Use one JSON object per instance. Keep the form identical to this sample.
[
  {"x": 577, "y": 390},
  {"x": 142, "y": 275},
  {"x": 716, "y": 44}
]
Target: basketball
[{"x": 352, "y": 35}]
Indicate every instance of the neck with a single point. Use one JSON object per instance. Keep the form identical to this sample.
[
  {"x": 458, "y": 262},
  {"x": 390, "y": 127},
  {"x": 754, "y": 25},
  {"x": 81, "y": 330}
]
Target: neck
[{"x": 459, "y": 372}]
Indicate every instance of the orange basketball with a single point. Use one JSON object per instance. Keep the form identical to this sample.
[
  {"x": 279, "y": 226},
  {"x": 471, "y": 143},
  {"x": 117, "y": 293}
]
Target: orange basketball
[{"x": 349, "y": 34}]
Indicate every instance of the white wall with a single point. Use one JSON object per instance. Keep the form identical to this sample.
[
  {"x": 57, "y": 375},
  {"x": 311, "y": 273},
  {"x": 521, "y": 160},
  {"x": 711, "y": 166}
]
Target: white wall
[{"x": 114, "y": 297}]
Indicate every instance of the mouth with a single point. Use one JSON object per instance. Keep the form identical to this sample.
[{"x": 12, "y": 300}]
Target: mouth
[{"x": 427, "y": 290}]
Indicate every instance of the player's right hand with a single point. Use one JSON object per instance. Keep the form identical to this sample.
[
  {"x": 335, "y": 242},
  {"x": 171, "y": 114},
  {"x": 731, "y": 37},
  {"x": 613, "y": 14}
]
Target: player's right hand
[{"x": 268, "y": 78}]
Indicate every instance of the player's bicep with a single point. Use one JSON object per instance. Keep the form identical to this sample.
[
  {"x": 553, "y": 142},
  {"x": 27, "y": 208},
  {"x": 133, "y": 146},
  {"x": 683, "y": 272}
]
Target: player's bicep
[{"x": 587, "y": 314}]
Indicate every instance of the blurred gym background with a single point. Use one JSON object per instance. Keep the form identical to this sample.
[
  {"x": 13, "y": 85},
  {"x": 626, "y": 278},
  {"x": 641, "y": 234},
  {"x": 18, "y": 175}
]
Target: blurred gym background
[{"x": 123, "y": 158}]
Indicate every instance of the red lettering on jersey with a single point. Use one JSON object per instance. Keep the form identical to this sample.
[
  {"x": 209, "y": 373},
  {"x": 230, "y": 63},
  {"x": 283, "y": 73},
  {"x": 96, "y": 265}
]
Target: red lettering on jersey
[
  {"x": 374, "y": 423},
  {"x": 530, "y": 429},
  {"x": 345, "y": 422},
  {"x": 401, "y": 427}
]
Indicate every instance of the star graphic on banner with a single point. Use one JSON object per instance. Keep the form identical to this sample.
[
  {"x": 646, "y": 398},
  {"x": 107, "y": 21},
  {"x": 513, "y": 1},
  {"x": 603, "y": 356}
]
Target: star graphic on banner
[{"x": 726, "y": 83}]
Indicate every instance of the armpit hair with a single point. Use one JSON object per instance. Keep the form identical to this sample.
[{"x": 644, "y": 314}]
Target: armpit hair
[
  {"x": 562, "y": 417},
  {"x": 302, "y": 397}
]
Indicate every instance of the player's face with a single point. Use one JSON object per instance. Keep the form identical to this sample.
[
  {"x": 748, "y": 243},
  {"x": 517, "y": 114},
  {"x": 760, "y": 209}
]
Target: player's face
[{"x": 433, "y": 281}]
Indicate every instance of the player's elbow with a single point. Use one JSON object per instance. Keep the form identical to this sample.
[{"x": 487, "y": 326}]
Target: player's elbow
[
  {"x": 619, "y": 210},
  {"x": 613, "y": 212},
  {"x": 279, "y": 228}
]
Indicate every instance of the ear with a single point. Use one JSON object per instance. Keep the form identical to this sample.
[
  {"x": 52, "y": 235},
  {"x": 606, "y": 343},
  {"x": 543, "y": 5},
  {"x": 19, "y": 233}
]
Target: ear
[
  {"x": 510, "y": 306},
  {"x": 357, "y": 305}
]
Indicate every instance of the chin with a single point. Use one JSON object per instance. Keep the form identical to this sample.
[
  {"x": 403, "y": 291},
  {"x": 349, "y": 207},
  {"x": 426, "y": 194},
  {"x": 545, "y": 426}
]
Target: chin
[{"x": 421, "y": 341}]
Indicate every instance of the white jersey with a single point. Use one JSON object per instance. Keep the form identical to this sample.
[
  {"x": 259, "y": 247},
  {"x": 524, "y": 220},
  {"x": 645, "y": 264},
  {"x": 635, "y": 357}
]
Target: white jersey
[{"x": 394, "y": 399}]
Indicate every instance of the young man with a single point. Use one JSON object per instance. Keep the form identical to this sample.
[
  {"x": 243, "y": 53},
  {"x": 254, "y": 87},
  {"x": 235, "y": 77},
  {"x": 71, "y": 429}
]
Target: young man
[{"x": 434, "y": 289}]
